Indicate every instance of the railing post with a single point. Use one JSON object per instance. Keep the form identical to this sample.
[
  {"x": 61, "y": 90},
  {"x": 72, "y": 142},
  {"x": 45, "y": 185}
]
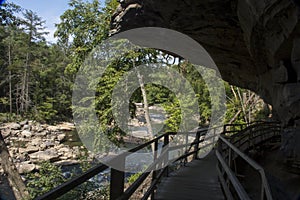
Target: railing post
[
  {"x": 229, "y": 157},
  {"x": 154, "y": 173},
  {"x": 214, "y": 138},
  {"x": 249, "y": 138},
  {"x": 224, "y": 129},
  {"x": 166, "y": 145},
  {"x": 262, "y": 191},
  {"x": 117, "y": 179},
  {"x": 196, "y": 146},
  {"x": 229, "y": 165}
]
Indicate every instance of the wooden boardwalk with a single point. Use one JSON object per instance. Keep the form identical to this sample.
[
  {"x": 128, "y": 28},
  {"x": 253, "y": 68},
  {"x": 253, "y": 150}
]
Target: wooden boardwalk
[{"x": 197, "y": 181}]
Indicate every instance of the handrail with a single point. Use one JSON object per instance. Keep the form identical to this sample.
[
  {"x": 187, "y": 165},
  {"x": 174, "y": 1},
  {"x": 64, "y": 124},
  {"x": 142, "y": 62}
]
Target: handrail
[
  {"x": 120, "y": 194},
  {"x": 71, "y": 184},
  {"x": 252, "y": 135},
  {"x": 156, "y": 179},
  {"x": 188, "y": 153},
  {"x": 76, "y": 181},
  {"x": 248, "y": 127},
  {"x": 117, "y": 177},
  {"x": 253, "y": 164},
  {"x": 235, "y": 182}
]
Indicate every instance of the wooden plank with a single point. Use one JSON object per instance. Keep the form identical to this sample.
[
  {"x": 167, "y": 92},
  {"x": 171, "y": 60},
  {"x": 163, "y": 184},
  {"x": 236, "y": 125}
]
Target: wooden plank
[{"x": 198, "y": 180}]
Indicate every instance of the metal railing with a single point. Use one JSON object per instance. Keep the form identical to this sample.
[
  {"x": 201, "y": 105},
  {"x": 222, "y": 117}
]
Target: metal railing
[
  {"x": 158, "y": 168},
  {"x": 230, "y": 148},
  {"x": 161, "y": 160}
]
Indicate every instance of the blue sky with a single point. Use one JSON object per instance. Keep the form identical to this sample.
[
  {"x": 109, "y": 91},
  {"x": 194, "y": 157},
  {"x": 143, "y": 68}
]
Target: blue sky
[{"x": 49, "y": 10}]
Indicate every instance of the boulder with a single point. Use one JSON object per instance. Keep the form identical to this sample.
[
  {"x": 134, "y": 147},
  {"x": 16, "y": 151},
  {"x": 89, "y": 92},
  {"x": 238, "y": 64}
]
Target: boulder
[
  {"x": 53, "y": 128},
  {"x": 26, "y": 127},
  {"x": 47, "y": 155},
  {"x": 25, "y": 167},
  {"x": 36, "y": 141},
  {"x": 23, "y": 140},
  {"x": 69, "y": 155},
  {"x": 22, "y": 157},
  {"x": 66, "y": 126},
  {"x": 64, "y": 149},
  {"x": 63, "y": 158},
  {"x": 66, "y": 162},
  {"x": 22, "y": 150},
  {"x": 22, "y": 123},
  {"x": 40, "y": 129},
  {"x": 5, "y": 133},
  {"x": 41, "y": 133},
  {"x": 49, "y": 144},
  {"x": 61, "y": 137},
  {"x": 15, "y": 126},
  {"x": 26, "y": 134},
  {"x": 43, "y": 146},
  {"x": 32, "y": 149}
]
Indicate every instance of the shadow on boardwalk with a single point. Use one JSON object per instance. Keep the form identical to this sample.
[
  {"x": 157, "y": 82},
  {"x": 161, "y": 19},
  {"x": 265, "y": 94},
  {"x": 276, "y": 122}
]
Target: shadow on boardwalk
[{"x": 198, "y": 180}]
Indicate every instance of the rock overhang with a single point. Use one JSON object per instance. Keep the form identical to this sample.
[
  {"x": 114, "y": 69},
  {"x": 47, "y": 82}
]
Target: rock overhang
[{"x": 249, "y": 41}]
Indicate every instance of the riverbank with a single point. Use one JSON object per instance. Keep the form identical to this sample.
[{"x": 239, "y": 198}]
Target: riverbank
[{"x": 31, "y": 143}]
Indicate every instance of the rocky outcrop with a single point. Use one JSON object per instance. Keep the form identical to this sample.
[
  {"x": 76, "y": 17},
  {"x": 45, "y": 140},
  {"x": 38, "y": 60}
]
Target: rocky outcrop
[
  {"x": 255, "y": 44},
  {"x": 30, "y": 143}
]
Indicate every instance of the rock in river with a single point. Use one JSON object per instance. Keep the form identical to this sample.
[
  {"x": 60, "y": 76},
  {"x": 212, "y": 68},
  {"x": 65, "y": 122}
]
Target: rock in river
[
  {"x": 25, "y": 167},
  {"x": 47, "y": 155},
  {"x": 26, "y": 133}
]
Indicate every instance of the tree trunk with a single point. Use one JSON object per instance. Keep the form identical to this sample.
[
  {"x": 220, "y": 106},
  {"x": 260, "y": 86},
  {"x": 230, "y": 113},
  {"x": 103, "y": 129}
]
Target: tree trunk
[
  {"x": 241, "y": 100},
  {"x": 240, "y": 110},
  {"x": 146, "y": 106},
  {"x": 23, "y": 88},
  {"x": 26, "y": 86},
  {"x": 17, "y": 100},
  {"x": 15, "y": 180},
  {"x": 10, "y": 84}
]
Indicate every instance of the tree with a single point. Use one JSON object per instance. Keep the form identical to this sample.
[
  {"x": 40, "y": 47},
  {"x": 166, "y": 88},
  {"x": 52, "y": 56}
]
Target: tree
[
  {"x": 51, "y": 91},
  {"x": 34, "y": 27},
  {"x": 9, "y": 24},
  {"x": 82, "y": 27},
  {"x": 243, "y": 106}
]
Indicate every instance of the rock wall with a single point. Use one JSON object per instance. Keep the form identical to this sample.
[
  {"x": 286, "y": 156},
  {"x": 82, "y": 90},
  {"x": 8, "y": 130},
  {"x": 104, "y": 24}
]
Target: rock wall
[{"x": 255, "y": 44}]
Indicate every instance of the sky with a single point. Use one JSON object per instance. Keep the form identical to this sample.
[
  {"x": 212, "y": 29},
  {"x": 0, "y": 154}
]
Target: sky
[{"x": 48, "y": 10}]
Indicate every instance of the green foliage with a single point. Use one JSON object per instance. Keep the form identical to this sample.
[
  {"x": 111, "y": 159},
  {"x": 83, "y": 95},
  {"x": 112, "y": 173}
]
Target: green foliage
[
  {"x": 7, "y": 117},
  {"x": 46, "y": 111},
  {"x": 244, "y": 106},
  {"x": 174, "y": 116},
  {"x": 48, "y": 177},
  {"x": 87, "y": 23},
  {"x": 31, "y": 72},
  {"x": 131, "y": 179}
]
